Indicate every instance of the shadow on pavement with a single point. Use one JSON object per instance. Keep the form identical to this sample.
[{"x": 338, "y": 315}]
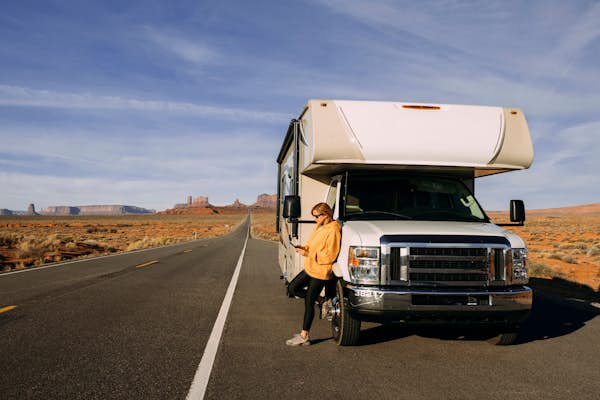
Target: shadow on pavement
[{"x": 559, "y": 308}]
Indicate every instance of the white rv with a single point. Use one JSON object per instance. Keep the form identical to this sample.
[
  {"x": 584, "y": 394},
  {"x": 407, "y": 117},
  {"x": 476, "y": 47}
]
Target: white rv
[{"x": 416, "y": 245}]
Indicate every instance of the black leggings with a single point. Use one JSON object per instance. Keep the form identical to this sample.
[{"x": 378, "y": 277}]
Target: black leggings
[{"x": 304, "y": 286}]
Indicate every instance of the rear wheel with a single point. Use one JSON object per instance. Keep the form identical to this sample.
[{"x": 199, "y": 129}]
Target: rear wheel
[{"x": 345, "y": 329}]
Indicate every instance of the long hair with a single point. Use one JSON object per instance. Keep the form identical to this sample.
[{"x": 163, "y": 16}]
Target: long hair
[{"x": 323, "y": 208}]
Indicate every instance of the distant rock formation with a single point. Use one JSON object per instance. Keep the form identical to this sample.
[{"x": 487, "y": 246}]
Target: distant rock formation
[
  {"x": 190, "y": 211},
  {"x": 237, "y": 204},
  {"x": 266, "y": 201},
  {"x": 61, "y": 210},
  {"x": 96, "y": 210},
  {"x": 5, "y": 211},
  {"x": 200, "y": 201},
  {"x": 31, "y": 210}
]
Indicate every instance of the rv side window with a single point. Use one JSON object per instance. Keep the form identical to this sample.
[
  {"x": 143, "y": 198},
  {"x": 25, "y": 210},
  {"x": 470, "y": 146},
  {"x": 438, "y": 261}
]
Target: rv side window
[{"x": 332, "y": 195}]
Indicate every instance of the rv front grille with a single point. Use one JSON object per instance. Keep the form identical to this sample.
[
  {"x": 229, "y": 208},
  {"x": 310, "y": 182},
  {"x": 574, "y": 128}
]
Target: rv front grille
[{"x": 465, "y": 266}]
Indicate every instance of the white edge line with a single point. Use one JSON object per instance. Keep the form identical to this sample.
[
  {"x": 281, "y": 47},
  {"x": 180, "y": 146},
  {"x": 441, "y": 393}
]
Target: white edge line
[{"x": 202, "y": 376}]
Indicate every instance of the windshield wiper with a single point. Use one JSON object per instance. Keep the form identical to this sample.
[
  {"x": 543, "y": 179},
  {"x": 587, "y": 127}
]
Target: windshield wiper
[{"x": 374, "y": 213}]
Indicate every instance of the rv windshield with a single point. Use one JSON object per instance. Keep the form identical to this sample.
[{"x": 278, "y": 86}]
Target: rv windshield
[{"x": 422, "y": 198}]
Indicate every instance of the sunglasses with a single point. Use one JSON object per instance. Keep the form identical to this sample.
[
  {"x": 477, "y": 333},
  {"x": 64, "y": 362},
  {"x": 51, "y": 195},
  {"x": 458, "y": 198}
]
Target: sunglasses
[{"x": 319, "y": 215}]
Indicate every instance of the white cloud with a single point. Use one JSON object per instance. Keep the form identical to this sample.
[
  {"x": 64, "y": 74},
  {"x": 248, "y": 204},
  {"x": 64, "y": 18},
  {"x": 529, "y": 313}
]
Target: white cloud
[
  {"x": 191, "y": 51},
  {"x": 22, "y": 96}
]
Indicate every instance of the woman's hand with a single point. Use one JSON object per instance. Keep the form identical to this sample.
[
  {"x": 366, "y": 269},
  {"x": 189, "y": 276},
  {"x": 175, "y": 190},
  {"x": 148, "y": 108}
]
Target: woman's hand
[{"x": 301, "y": 250}]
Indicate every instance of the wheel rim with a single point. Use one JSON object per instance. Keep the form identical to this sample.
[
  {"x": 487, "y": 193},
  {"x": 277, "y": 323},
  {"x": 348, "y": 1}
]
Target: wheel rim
[{"x": 335, "y": 317}]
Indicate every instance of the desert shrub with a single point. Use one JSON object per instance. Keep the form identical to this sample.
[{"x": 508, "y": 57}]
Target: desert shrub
[
  {"x": 569, "y": 259},
  {"x": 593, "y": 251},
  {"x": 554, "y": 256},
  {"x": 9, "y": 239},
  {"x": 147, "y": 242},
  {"x": 95, "y": 229},
  {"x": 52, "y": 241},
  {"x": 541, "y": 269},
  {"x": 579, "y": 246},
  {"x": 35, "y": 249}
]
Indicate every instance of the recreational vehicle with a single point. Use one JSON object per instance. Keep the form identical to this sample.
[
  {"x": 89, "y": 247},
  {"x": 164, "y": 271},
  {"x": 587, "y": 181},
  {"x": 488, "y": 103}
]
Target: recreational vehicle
[{"x": 417, "y": 247}]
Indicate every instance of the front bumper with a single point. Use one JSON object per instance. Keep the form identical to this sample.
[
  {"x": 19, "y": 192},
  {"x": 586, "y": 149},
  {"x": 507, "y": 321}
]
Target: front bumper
[{"x": 505, "y": 306}]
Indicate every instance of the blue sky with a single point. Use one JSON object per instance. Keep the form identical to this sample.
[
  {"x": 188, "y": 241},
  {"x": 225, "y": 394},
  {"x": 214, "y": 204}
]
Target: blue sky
[{"x": 145, "y": 102}]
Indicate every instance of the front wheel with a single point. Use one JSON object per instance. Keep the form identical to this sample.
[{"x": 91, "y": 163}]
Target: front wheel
[{"x": 345, "y": 329}]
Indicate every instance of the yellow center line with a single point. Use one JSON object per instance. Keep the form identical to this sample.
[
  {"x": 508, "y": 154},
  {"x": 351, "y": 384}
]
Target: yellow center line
[
  {"x": 7, "y": 309},
  {"x": 187, "y": 251},
  {"x": 147, "y": 264}
]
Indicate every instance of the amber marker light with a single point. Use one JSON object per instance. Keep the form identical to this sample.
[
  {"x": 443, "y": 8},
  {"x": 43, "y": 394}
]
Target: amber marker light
[{"x": 420, "y": 107}]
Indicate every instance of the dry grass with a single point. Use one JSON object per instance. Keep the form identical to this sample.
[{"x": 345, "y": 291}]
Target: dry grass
[
  {"x": 263, "y": 226},
  {"x": 565, "y": 246},
  {"x": 28, "y": 241}
]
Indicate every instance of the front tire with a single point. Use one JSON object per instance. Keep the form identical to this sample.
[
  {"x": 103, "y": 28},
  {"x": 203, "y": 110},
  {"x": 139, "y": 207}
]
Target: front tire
[{"x": 344, "y": 328}]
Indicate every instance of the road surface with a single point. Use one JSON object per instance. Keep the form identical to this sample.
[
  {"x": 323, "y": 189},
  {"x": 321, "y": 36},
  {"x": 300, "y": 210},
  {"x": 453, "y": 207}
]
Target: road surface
[{"x": 136, "y": 326}]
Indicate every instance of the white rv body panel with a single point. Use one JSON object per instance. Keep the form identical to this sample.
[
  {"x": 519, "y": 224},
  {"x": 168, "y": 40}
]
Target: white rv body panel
[
  {"x": 388, "y": 133},
  {"x": 489, "y": 140},
  {"x": 369, "y": 232}
]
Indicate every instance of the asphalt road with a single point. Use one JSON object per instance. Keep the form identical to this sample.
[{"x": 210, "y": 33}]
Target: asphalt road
[{"x": 104, "y": 329}]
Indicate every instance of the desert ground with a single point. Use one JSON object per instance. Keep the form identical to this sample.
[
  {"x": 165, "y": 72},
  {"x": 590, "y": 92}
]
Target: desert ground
[
  {"x": 36, "y": 240},
  {"x": 563, "y": 245}
]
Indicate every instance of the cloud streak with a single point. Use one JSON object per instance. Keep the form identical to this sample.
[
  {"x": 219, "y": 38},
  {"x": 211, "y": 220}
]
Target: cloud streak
[
  {"x": 22, "y": 96},
  {"x": 187, "y": 50}
]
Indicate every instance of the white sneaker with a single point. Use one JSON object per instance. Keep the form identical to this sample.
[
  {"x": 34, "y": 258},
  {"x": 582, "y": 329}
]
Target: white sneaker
[{"x": 298, "y": 340}]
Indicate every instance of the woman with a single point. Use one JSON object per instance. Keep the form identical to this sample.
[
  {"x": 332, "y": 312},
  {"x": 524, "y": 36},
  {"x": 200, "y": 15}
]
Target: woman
[{"x": 320, "y": 251}]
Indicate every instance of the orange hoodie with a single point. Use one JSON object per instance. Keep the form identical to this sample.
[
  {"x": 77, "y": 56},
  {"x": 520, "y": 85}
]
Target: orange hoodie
[{"x": 323, "y": 247}]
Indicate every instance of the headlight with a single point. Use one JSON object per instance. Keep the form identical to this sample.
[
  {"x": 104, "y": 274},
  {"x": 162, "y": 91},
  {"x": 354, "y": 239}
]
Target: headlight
[
  {"x": 519, "y": 266},
  {"x": 363, "y": 264}
]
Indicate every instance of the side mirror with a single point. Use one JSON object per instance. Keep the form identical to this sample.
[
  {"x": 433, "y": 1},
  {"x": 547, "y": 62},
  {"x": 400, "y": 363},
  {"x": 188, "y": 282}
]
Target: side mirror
[
  {"x": 517, "y": 211},
  {"x": 291, "y": 207}
]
